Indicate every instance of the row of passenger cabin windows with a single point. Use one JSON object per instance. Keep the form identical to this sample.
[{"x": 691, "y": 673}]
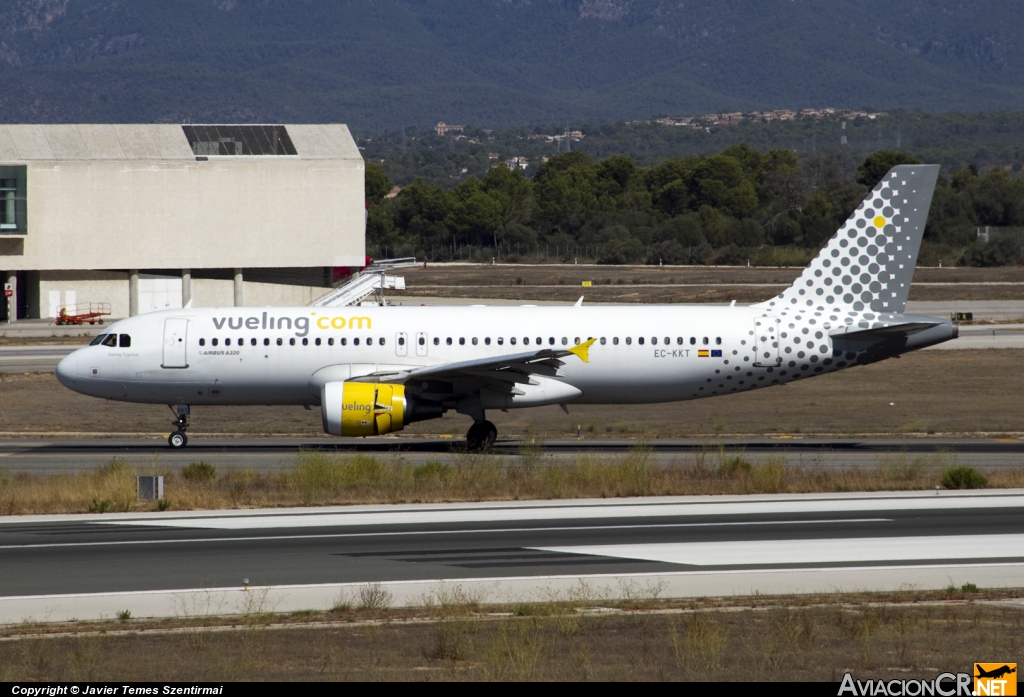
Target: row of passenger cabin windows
[
  {"x": 539, "y": 341},
  {"x": 293, "y": 341},
  {"x": 112, "y": 340}
]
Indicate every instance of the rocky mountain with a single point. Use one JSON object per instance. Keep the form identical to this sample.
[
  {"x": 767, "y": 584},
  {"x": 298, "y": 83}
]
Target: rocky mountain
[{"x": 382, "y": 64}]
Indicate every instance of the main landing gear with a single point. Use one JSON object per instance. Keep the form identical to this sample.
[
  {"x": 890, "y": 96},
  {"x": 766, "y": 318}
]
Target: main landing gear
[
  {"x": 178, "y": 439},
  {"x": 481, "y": 435}
]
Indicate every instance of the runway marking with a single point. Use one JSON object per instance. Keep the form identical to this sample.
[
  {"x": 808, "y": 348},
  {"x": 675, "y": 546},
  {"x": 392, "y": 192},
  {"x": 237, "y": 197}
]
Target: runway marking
[
  {"x": 112, "y": 543},
  {"x": 825, "y": 551},
  {"x": 493, "y": 515}
]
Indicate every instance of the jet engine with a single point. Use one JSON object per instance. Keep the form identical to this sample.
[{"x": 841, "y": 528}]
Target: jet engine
[{"x": 371, "y": 408}]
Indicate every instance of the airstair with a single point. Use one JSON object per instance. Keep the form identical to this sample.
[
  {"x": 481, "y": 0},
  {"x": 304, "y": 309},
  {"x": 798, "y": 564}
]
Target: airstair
[{"x": 373, "y": 280}]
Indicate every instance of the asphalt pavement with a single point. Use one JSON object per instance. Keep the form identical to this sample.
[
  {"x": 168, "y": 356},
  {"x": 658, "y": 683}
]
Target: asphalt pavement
[
  {"x": 52, "y": 455},
  {"x": 688, "y": 545}
]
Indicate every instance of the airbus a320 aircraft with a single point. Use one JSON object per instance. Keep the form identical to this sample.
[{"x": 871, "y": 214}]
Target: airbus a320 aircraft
[{"x": 374, "y": 370}]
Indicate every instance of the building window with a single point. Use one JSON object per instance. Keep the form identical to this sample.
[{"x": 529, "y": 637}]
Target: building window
[
  {"x": 239, "y": 140},
  {"x": 13, "y": 218}
]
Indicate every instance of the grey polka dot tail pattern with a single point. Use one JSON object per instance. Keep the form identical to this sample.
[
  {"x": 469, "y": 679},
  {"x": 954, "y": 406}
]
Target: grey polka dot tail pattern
[{"x": 869, "y": 263}]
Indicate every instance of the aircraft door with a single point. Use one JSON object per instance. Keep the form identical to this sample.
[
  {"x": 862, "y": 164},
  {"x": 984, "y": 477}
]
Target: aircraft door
[
  {"x": 766, "y": 342},
  {"x": 175, "y": 343},
  {"x": 421, "y": 343},
  {"x": 401, "y": 344}
]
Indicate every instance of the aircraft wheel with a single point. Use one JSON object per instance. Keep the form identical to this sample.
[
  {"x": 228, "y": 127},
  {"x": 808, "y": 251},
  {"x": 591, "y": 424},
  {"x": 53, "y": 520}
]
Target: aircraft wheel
[
  {"x": 177, "y": 440},
  {"x": 481, "y": 435}
]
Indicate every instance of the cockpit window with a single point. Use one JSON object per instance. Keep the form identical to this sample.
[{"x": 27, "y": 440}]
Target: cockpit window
[
  {"x": 98, "y": 340},
  {"x": 110, "y": 340},
  {"x": 126, "y": 341}
]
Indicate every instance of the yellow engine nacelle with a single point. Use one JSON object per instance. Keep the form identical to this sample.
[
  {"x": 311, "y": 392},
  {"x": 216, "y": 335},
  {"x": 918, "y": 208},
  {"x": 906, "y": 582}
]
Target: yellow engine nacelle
[{"x": 362, "y": 408}]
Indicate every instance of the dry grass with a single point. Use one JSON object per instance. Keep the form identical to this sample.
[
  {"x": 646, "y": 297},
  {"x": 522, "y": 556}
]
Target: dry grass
[
  {"x": 318, "y": 479},
  {"x": 579, "y": 637}
]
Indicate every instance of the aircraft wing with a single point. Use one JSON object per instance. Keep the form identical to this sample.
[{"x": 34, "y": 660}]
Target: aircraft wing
[{"x": 509, "y": 368}]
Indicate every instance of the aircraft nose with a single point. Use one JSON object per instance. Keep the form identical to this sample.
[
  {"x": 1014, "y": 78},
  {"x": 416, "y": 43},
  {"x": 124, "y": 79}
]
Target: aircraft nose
[{"x": 67, "y": 371}]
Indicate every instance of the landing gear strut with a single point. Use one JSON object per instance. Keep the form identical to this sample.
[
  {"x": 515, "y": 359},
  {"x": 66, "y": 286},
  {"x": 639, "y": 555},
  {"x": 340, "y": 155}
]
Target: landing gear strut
[
  {"x": 481, "y": 435},
  {"x": 178, "y": 439}
]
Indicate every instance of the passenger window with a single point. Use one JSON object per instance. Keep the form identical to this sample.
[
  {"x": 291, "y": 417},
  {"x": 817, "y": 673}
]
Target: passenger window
[
  {"x": 487, "y": 341},
  {"x": 679, "y": 340},
  {"x": 526, "y": 341},
  {"x": 280, "y": 342},
  {"x": 252, "y": 342},
  {"x": 305, "y": 342},
  {"x": 462, "y": 341},
  {"x": 603, "y": 341},
  {"x": 369, "y": 342},
  {"x": 639, "y": 341},
  {"x": 202, "y": 342},
  {"x": 291, "y": 342},
  {"x": 330, "y": 341},
  {"x": 565, "y": 341},
  {"x": 227, "y": 342},
  {"x": 241, "y": 342},
  {"x": 577, "y": 340},
  {"x": 654, "y": 340},
  {"x": 615, "y": 340},
  {"x": 343, "y": 341},
  {"x": 512, "y": 340},
  {"x": 705, "y": 341},
  {"x": 541, "y": 341},
  {"x": 437, "y": 342},
  {"x": 448, "y": 341},
  {"x": 355, "y": 342},
  {"x": 629, "y": 340},
  {"x": 380, "y": 341},
  {"x": 266, "y": 342},
  {"x": 474, "y": 341},
  {"x": 126, "y": 341},
  {"x": 551, "y": 340},
  {"x": 213, "y": 341},
  {"x": 669, "y": 341},
  {"x": 718, "y": 341},
  {"x": 693, "y": 340},
  {"x": 401, "y": 341},
  {"x": 110, "y": 341},
  {"x": 422, "y": 341},
  {"x": 500, "y": 341},
  {"x": 99, "y": 340}
]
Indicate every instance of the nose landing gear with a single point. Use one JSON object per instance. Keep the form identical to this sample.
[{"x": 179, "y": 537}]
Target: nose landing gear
[
  {"x": 481, "y": 435},
  {"x": 178, "y": 439}
]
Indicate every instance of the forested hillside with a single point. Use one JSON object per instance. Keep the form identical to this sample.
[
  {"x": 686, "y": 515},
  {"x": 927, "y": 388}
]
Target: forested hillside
[
  {"x": 737, "y": 206},
  {"x": 380, "y": 64}
]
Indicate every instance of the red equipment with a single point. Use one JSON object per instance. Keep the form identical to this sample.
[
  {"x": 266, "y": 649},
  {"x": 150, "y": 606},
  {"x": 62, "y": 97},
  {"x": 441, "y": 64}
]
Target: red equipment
[{"x": 93, "y": 313}]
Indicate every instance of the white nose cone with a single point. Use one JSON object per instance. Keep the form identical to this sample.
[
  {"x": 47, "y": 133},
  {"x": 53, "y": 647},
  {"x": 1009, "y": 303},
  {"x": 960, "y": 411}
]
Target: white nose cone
[{"x": 67, "y": 371}]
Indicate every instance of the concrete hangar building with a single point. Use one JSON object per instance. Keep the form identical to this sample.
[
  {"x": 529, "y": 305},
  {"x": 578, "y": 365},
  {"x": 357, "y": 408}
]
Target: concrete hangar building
[{"x": 148, "y": 217}]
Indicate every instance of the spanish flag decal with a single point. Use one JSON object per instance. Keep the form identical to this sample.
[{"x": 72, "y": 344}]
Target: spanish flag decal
[{"x": 703, "y": 353}]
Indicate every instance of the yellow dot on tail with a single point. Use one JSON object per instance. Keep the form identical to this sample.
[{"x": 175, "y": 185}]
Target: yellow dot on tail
[{"x": 879, "y": 222}]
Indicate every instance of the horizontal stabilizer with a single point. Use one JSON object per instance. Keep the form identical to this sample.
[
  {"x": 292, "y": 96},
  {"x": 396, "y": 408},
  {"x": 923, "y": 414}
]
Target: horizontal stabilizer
[{"x": 882, "y": 333}]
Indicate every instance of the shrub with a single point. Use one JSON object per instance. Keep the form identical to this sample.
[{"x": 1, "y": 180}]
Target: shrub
[
  {"x": 963, "y": 477},
  {"x": 201, "y": 471}
]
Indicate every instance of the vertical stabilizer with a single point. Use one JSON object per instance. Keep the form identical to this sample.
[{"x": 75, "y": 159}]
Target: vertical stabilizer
[{"x": 869, "y": 263}]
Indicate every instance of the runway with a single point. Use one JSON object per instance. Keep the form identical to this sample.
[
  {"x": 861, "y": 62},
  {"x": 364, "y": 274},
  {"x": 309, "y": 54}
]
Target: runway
[
  {"x": 75, "y": 566},
  {"x": 53, "y": 455}
]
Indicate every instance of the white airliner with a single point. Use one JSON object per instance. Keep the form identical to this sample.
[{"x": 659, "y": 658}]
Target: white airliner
[{"x": 374, "y": 370}]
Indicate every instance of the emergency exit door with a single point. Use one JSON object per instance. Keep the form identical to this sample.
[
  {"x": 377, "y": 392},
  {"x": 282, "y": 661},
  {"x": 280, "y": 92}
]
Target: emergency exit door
[{"x": 175, "y": 343}]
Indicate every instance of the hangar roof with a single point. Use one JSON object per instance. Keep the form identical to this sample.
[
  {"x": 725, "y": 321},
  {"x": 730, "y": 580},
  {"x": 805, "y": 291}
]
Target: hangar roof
[{"x": 152, "y": 142}]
